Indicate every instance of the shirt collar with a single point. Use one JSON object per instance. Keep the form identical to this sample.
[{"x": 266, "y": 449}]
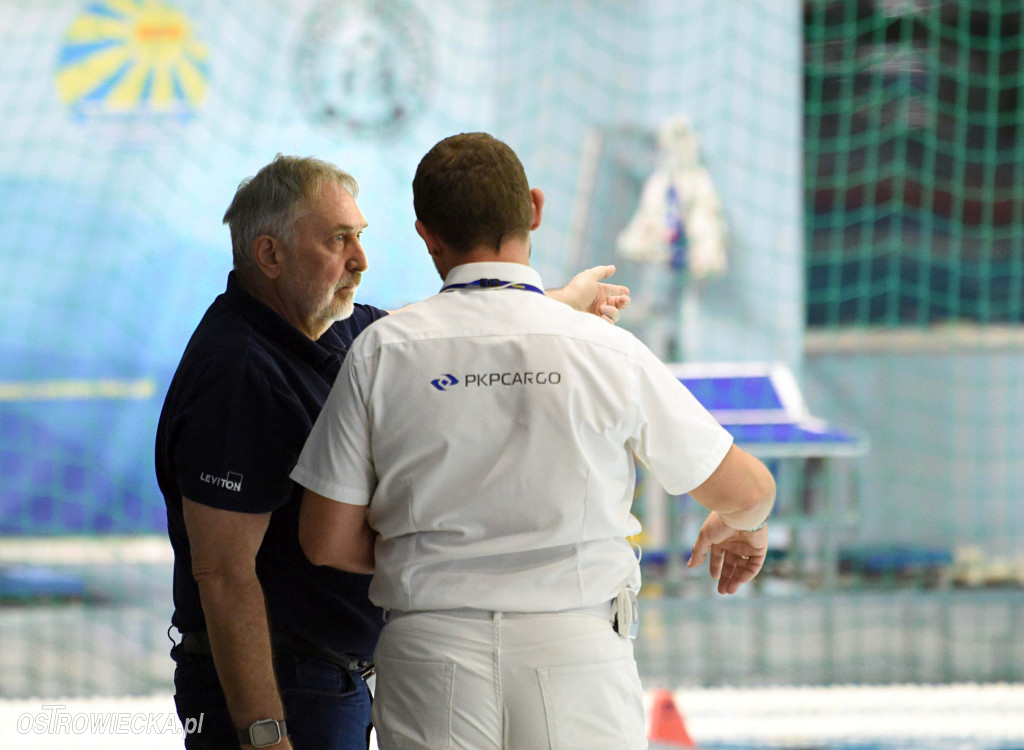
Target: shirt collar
[{"x": 515, "y": 273}]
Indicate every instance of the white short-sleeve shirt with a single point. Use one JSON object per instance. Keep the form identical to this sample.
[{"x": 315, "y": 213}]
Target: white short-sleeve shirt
[{"x": 492, "y": 431}]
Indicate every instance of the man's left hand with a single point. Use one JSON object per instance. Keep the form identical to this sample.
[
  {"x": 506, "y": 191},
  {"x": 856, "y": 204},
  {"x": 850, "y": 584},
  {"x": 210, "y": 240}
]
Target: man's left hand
[
  {"x": 736, "y": 557},
  {"x": 587, "y": 293}
]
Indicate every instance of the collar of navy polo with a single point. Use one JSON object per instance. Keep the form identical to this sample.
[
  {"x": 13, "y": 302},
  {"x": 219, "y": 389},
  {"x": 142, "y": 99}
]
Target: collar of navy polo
[{"x": 514, "y": 273}]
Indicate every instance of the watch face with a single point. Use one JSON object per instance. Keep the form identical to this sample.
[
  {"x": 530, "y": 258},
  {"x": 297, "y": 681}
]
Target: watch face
[{"x": 265, "y": 733}]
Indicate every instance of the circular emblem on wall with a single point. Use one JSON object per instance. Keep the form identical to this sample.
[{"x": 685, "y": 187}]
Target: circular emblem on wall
[
  {"x": 363, "y": 66},
  {"x": 132, "y": 57}
]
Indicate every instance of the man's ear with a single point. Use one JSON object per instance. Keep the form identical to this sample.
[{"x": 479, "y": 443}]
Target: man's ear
[
  {"x": 430, "y": 239},
  {"x": 266, "y": 251},
  {"x": 537, "y": 198}
]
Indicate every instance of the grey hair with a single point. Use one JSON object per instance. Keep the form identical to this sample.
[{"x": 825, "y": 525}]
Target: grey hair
[{"x": 272, "y": 201}]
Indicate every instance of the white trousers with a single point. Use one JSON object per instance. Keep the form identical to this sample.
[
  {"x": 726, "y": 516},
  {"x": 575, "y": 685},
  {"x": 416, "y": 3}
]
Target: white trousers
[{"x": 506, "y": 682}]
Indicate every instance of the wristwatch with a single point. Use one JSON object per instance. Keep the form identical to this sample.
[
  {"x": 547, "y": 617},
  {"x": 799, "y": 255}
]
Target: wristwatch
[{"x": 263, "y": 733}]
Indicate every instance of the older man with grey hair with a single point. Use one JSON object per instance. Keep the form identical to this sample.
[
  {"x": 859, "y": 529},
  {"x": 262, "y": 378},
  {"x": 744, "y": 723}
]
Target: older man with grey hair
[{"x": 274, "y": 651}]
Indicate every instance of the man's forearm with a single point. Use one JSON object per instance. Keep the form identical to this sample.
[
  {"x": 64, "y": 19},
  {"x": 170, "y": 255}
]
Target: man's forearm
[
  {"x": 336, "y": 534},
  {"x": 236, "y": 621},
  {"x": 741, "y": 490}
]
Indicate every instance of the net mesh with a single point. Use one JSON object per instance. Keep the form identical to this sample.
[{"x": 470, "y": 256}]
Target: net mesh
[
  {"x": 914, "y": 252},
  {"x": 914, "y": 162},
  {"x": 883, "y": 192}
]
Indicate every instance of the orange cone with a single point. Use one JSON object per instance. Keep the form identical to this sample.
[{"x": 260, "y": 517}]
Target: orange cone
[{"x": 667, "y": 727}]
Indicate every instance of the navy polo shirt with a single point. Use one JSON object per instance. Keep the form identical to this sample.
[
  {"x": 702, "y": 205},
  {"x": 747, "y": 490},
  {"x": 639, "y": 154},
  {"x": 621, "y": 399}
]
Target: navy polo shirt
[{"x": 245, "y": 396}]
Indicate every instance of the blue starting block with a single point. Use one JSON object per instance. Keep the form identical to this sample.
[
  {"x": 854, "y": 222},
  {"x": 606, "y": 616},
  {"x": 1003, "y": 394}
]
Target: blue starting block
[{"x": 762, "y": 407}]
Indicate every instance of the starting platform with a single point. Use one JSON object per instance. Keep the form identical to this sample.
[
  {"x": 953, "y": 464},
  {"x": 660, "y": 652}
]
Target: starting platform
[
  {"x": 813, "y": 462},
  {"x": 762, "y": 407}
]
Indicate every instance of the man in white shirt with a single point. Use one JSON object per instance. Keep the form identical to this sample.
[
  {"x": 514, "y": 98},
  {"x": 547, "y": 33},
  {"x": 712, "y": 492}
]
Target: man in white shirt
[{"x": 477, "y": 455}]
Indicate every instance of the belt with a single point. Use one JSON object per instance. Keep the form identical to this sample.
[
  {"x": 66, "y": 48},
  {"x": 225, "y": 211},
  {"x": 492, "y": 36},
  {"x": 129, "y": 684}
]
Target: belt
[
  {"x": 198, "y": 643},
  {"x": 605, "y": 610}
]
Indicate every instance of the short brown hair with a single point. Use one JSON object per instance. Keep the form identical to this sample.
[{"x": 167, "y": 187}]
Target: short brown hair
[
  {"x": 270, "y": 202},
  {"x": 471, "y": 189}
]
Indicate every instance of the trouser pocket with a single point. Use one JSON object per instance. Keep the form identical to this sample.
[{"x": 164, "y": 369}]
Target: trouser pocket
[
  {"x": 412, "y": 707},
  {"x": 594, "y": 706}
]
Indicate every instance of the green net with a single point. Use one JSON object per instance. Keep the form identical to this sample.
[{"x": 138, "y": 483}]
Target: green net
[
  {"x": 914, "y": 162},
  {"x": 914, "y": 199},
  {"x": 886, "y": 192}
]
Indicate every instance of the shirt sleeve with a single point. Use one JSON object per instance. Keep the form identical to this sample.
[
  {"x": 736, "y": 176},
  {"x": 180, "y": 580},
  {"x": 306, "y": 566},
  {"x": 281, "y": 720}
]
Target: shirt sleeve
[
  {"x": 677, "y": 439},
  {"x": 337, "y": 460},
  {"x": 237, "y": 434}
]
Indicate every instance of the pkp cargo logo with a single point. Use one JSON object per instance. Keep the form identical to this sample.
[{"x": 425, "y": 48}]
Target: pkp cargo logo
[
  {"x": 498, "y": 379},
  {"x": 445, "y": 382}
]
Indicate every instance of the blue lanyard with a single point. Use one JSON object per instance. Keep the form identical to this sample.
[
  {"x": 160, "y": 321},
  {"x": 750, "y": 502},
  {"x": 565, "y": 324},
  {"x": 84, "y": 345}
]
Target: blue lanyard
[{"x": 493, "y": 284}]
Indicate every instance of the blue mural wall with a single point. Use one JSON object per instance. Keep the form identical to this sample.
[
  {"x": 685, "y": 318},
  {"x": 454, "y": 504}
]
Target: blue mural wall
[{"x": 126, "y": 125}]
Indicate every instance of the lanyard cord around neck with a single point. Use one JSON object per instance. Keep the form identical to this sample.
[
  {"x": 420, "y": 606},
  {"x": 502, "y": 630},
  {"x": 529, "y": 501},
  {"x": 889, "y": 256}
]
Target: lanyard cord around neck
[{"x": 492, "y": 284}]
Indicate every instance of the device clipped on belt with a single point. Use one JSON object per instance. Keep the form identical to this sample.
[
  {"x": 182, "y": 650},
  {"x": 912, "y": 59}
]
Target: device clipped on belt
[{"x": 627, "y": 613}]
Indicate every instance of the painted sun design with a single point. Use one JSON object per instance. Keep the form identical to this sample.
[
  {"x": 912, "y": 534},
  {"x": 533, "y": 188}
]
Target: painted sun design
[{"x": 132, "y": 56}]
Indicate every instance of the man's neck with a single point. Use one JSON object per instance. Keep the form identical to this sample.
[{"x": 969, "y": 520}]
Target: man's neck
[
  {"x": 511, "y": 251},
  {"x": 266, "y": 292}
]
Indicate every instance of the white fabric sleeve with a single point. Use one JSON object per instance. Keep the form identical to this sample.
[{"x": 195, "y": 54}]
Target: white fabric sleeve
[
  {"x": 677, "y": 439},
  {"x": 337, "y": 460}
]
